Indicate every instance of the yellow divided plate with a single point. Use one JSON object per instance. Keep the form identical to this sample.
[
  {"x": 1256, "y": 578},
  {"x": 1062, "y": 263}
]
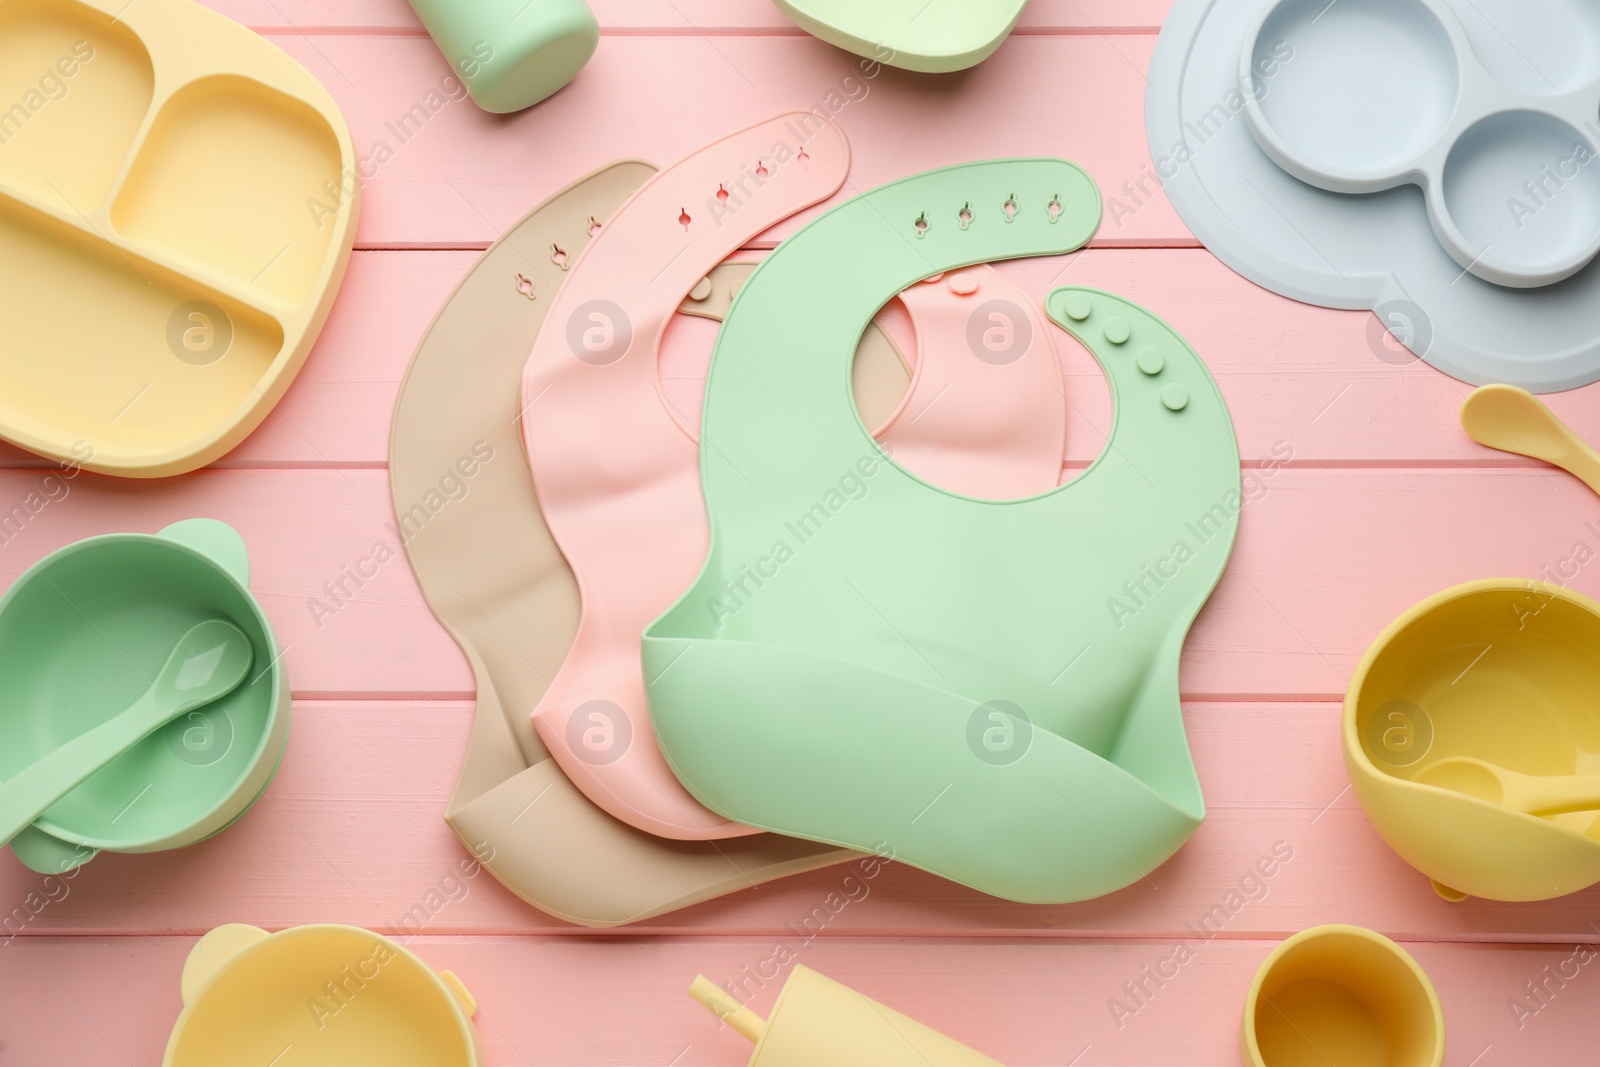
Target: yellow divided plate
[{"x": 173, "y": 226}]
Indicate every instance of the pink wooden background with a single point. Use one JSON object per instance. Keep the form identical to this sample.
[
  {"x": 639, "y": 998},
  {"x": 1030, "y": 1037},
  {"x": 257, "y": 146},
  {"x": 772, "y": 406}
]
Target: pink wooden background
[{"x": 1383, "y": 501}]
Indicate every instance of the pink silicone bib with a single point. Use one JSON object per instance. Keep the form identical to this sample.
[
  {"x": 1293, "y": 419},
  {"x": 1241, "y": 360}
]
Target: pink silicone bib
[
  {"x": 617, "y": 471},
  {"x": 986, "y": 415}
]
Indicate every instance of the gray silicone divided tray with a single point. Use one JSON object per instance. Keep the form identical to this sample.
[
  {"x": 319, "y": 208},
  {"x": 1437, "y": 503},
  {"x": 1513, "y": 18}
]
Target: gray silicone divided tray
[{"x": 1487, "y": 112}]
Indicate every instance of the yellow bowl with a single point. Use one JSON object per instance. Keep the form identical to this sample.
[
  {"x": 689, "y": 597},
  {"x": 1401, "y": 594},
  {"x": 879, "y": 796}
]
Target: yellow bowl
[
  {"x": 1342, "y": 996},
  {"x": 318, "y": 995},
  {"x": 1506, "y": 670}
]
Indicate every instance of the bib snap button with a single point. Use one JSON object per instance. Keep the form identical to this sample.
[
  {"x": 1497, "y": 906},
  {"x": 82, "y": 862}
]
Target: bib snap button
[{"x": 963, "y": 284}]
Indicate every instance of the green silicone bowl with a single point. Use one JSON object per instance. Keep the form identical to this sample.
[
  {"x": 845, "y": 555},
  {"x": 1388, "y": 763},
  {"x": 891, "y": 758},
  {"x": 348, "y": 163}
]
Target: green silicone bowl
[{"x": 80, "y": 632}]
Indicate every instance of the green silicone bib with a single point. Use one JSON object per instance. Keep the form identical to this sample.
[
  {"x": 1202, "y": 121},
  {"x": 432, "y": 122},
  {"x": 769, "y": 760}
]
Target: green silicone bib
[{"x": 985, "y": 690}]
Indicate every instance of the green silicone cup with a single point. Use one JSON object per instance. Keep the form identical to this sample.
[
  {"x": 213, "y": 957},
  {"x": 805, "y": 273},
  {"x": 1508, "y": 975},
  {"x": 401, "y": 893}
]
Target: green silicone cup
[
  {"x": 80, "y": 632},
  {"x": 511, "y": 53}
]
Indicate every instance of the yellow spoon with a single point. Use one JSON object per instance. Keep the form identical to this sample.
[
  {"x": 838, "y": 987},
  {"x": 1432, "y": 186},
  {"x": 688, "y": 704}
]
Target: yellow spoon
[
  {"x": 1535, "y": 794},
  {"x": 1514, "y": 420}
]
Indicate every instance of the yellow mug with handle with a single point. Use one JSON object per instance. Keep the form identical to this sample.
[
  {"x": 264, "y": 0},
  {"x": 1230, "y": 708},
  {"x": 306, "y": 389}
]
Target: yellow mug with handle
[{"x": 318, "y": 995}]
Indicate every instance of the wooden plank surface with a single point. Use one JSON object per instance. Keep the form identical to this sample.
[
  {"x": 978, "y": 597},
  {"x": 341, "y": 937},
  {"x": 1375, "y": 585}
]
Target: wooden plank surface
[
  {"x": 461, "y": 176},
  {"x": 1364, "y": 496},
  {"x": 1325, "y": 558},
  {"x": 668, "y": 17},
  {"x": 352, "y": 831},
  {"x": 1328, "y": 383}
]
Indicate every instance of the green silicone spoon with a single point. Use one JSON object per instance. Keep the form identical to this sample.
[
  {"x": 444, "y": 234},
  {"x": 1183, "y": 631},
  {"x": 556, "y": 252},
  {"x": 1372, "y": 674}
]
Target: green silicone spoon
[
  {"x": 208, "y": 663},
  {"x": 1536, "y": 794}
]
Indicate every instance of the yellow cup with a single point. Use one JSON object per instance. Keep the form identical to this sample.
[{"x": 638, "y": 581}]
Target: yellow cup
[
  {"x": 318, "y": 995},
  {"x": 1506, "y": 670},
  {"x": 1342, "y": 996}
]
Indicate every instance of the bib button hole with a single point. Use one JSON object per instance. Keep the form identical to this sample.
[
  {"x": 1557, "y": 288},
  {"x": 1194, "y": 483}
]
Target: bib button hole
[
  {"x": 964, "y": 216},
  {"x": 1054, "y": 208},
  {"x": 594, "y": 225},
  {"x": 558, "y": 256},
  {"x": 1009, "y": 208},
  {"x": 722, "y": 191},
  {"x": 683, "y": 218},
  {"x": 921, "y": 225},
  {"x": 761, "y": 169},
  {"x": 525, "y": 286}
]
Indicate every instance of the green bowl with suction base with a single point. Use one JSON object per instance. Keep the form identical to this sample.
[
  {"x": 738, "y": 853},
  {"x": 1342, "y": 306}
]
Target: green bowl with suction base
[{"x": 81, "y": 632}]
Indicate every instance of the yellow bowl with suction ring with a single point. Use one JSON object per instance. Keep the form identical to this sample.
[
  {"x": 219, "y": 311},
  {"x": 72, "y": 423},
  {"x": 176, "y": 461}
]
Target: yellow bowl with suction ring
[
  {"x": 1342, "y": 996},
  {"x": 318, "y": 996},
  {"x": 1507, "y": 671}
]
